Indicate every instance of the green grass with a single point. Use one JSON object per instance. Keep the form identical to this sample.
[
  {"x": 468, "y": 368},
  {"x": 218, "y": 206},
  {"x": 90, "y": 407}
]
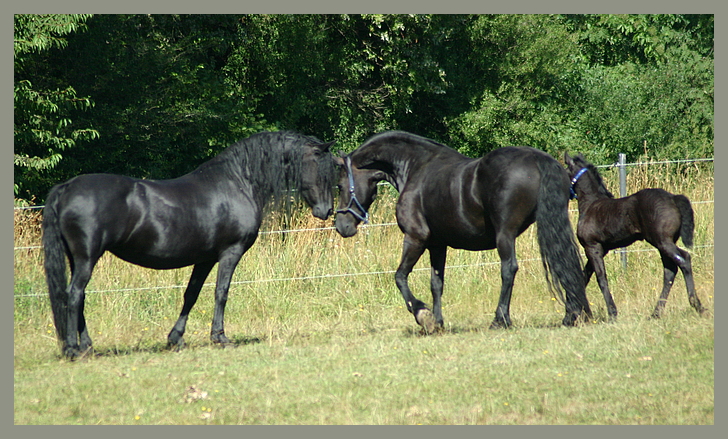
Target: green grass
[{"x": 344, "y": 350}]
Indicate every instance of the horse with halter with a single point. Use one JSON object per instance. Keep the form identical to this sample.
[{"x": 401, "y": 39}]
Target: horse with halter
[
  {"x": 211, "y": 215},
  {"x": 449, "y": 200},
  {"x": 606, "y": 223}
]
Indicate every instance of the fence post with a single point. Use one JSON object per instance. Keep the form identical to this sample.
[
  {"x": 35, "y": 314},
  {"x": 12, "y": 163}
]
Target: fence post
[{"x": 622, "y": 193}]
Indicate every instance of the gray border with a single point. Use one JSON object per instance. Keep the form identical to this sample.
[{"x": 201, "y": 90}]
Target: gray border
[{"x": 328, "y": 6}]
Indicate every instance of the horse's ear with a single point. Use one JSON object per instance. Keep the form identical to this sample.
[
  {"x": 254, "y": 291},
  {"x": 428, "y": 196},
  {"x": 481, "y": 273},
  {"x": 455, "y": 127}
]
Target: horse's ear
[
  {"x": 339, "y": 161},
  {"x": 324, "y": 147}
]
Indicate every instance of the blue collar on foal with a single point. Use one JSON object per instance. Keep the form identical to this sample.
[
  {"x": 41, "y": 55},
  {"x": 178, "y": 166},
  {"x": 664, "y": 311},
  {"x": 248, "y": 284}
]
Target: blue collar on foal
[{"x": 574, "y": 180}]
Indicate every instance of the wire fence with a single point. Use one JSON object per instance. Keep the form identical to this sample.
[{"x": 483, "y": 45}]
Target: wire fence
[
  {"x": 365, "y": 226},
  {"x": 325, "y": 276}
]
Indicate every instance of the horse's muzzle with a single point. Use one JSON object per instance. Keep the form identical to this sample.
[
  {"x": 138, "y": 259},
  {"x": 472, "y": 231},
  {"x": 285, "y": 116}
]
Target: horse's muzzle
[
  {"x": 346, "y": 225},
  {"x": 322, "y": 212}
]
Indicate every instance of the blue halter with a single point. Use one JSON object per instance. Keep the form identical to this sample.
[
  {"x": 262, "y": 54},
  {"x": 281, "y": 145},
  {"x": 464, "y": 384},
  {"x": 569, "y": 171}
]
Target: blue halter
[
  {"x": 353, "y": 200},
  {"x": 574, "y": 180}
]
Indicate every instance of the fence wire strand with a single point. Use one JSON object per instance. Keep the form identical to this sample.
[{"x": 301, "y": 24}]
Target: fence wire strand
[{"x": 366, "y": 273}]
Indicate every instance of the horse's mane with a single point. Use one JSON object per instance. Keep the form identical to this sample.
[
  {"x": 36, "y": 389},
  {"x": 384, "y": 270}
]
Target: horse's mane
[
  {"x": 270, "y": 162},
  {"x": 580, "y": 161},
  {"x": 406, "y": 144}
]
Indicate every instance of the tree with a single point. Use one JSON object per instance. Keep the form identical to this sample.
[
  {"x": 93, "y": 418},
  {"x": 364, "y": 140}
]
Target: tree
[
  {"x": 44, "y": 107},
  {"x": 532, "y": 68}
]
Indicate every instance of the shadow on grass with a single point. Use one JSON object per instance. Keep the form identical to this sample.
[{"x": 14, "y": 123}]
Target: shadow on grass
[
  {"x": 161, "y": 347},
  {"x": 417, "y": 332}
]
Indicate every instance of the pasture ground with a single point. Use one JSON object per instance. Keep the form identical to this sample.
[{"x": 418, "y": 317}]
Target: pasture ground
[{"x": 321, "y": 336}]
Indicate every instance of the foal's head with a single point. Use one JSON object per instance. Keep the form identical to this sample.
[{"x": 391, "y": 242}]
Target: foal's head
[
  {"x": 317, "y": 178},
  {"x": 585, "y": 178},
  {"x": 357, "y": 191}
]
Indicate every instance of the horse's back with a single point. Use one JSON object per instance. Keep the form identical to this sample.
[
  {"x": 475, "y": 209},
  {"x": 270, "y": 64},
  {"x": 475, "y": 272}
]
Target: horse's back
[
  {"x": 157, "y": 224},
  {"x": 510, "y": 178},
  {"x": 659, "y": 213},
  {"x": 465, "y": 201}
]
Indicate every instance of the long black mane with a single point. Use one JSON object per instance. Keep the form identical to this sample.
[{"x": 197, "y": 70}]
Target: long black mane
[{"x": 270, "y": 162}]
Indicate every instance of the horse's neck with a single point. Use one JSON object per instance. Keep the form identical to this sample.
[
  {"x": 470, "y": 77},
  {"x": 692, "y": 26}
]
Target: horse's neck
[
  {"x": 587, "y": 197},
  {"x": 403, "y": 164}
]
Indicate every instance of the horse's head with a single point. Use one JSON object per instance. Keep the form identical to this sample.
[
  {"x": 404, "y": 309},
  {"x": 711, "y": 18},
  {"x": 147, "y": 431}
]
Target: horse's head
[
  {"x": 317, "y": 174},
  {"x": 583, "y": 172},
  {"x": 357, "y": 191}
]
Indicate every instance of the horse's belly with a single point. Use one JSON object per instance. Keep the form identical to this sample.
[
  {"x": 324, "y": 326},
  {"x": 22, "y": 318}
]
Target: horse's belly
[
  {"x": 465, "y": 241},
  {"x": 163, "y": 261}
]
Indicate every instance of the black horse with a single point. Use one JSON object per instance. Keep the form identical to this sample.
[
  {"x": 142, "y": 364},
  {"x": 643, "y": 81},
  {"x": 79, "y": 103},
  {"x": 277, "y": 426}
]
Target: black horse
[
  {"x": 653, "y": 215},
  {"x": 449, "y": 200},
  {"x": 207, "y": 216}
]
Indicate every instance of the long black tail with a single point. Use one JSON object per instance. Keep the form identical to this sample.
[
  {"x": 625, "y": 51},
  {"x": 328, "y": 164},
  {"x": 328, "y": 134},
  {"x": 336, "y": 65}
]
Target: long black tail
[
  {"x": 559, "y": 252},
  {"x": 687, "y": 223},
  {"x": 55, "y": 261}
]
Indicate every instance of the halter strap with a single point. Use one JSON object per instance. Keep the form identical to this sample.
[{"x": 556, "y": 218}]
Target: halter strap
[
  {"x": 574, "y": 180},
  {"x": 353, "y": 200}
]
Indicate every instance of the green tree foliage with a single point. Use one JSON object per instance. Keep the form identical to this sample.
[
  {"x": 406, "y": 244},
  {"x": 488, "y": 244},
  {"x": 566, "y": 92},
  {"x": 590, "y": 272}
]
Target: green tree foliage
[
  {"x": 44, "y": 108},
  {"x": 348, "y": 76},
  {"x": 170, "y": 91},
  {"x": 162, "y": 102},
  {"x": 532, "y": 69}
]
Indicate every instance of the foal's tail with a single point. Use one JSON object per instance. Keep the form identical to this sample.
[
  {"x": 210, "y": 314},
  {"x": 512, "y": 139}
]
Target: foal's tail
[
  {"x": 55, "y": 261},
  {"x": 559, "y": 251},
  {"x": 687, "y": 224}
]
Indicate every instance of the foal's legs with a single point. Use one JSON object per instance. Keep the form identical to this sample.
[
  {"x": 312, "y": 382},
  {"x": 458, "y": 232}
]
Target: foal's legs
[
  {"x": 437, "y": 280},
  {"x": 672, "y": 258},
  {"x": 595, "y": 254},
  {"x": 411, "y": 252},
  {"x": 506, "y": 244},
  {"x": 197, "y": 279}
]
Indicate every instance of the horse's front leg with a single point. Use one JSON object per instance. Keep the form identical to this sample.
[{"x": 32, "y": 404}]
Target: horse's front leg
[
  {"x": 438, "y": 255},
  {"x": 197, "y": 279},
  {"x": 595, "y": 254},
  {"x": 412, "y": 250},
  {"x": 225, "y": 271}
]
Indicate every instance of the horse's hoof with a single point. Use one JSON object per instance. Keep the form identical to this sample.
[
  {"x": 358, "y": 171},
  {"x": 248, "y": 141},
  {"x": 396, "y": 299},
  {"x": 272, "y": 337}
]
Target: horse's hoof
[
  {"x": 176, "y": 346},
  {"x": 220, "y": 339},
  {"x": 73, "y": 353},
  {"x": 497, "y": 324},
  {"x": 426, "y": 319}
]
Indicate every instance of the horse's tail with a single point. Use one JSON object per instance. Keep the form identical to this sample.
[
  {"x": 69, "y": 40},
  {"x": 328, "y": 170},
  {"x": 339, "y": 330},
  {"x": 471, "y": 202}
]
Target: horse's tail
[
  {"x": 559, "y": 252},
  {"x": 55, "y": 261},
  {"x": 687, "y": 223}
]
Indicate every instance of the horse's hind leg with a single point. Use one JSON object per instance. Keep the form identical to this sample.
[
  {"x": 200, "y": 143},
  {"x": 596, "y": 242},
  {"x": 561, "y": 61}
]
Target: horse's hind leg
[
  {"x": 411, "y": 252},
  {"x": 197, "y": 279},
  {"x": 81, "y": 274},
  {"x": 686, "y": 267},
  {"x": 509, "y": 267},
  {"x": 673, "y": 258},
  {"x": 438, "y": 257}
]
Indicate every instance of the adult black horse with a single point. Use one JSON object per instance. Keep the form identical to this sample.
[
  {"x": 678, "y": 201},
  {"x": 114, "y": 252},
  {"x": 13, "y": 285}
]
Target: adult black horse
[
  {"x": 653, "y": 215},
  {"x": 208, "y": 216},
  {"x": 449, "y": 200}
]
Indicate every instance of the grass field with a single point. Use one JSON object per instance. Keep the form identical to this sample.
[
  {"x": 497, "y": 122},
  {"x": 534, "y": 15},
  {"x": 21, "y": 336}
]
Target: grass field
[{"x": 321, "y": 336}]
